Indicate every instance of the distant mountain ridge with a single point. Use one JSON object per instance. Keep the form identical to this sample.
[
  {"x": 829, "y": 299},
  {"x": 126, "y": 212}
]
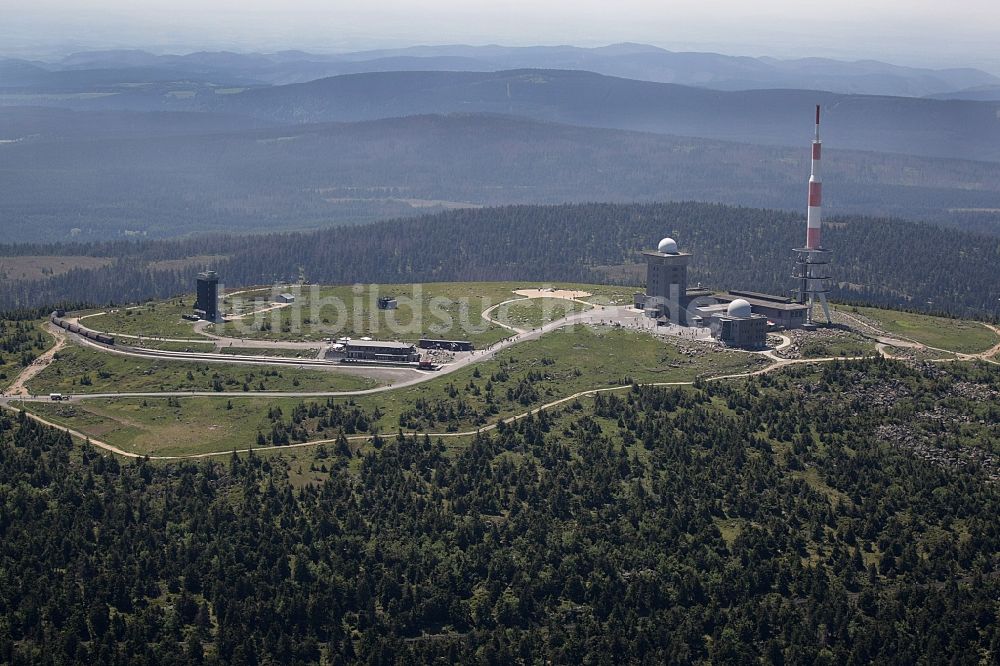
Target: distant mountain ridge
[
  {"x": 936, "y": 128},
  {"x": 976, "y": 94},
  {"x": 113, "y": 174},
  {"x": 134, "y": 143},
  {"x": 637, "y": 61},
  {"x": 714, "y": 70},
  {"x": 917, "y": 126},
  {"x": 758, "y": 100}
]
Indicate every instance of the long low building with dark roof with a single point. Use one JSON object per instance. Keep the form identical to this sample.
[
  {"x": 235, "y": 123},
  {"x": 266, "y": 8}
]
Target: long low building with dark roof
[
  {"x": 381, "y": 350},
  {"x": 781, "y": 311}
]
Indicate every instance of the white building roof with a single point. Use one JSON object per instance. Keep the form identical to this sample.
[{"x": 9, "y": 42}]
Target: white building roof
[{"x": 378, "y": 344}]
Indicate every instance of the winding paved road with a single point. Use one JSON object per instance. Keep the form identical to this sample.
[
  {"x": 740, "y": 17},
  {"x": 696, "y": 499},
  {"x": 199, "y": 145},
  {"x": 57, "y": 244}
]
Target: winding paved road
[
  {"x": 366, "y": 437},
  {"x": 413, "y": 375},
  {"x": 599, "y": 314}
]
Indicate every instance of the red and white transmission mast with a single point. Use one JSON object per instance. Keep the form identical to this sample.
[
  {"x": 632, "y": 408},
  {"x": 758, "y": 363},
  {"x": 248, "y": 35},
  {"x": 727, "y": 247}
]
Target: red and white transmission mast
[{"x": 812, "y": 262}]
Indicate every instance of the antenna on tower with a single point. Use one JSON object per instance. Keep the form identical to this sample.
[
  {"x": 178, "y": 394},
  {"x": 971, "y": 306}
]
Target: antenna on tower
[{"x": 812, "y": 261}]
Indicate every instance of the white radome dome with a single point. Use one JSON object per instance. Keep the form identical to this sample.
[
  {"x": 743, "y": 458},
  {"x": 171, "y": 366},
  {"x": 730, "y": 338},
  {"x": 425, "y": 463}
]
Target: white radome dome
[
  {"x": 667, "y": 246},
  {"x": 739, "y": 309}
]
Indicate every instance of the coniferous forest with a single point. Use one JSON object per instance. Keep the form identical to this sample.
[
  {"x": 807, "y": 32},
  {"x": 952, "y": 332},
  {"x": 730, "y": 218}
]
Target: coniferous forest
[
  {"x": 875, "y": 261},
  {"x": 425, "y": 424},
  {"x": 806, "y": 517}
]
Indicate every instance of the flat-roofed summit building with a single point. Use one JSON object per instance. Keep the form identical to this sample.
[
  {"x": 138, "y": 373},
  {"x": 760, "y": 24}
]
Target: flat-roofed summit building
[
  {"x": 381, "y": 350},
  {"x": 667, "y": 296},
  {"x": 207, "y": 303},
  {"x": 782, "y": 311}
]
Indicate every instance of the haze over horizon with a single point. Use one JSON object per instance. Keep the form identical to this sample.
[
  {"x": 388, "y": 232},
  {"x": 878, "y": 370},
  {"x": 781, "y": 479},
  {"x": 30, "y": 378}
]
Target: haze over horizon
[
  {"x": 567, "y": 332},
  {"x": 896, "y": 31}
]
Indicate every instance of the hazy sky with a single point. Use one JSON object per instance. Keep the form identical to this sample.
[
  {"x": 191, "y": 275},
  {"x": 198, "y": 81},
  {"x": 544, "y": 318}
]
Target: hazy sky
[{"x": 920, "y": 32}]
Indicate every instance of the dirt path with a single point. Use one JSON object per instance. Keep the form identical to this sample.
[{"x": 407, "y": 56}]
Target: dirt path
[
  {"x": 884, "y": 340},
  {"x": 272, "y": 306},
  {"x": 96, "y": 442},
  {"x": 528, "y": 294},
  {"x": 883, "y": 349},
  {"x": 19, "y": 387},
  {"x": 785, "y": 342},
  {"x": 995, "y": 349},
  {"x": 520, "y": 335},
  {"x": 777, "y": 365},
  {"x": 489, "y": 311},
  {"x": 862, "y": 324}
]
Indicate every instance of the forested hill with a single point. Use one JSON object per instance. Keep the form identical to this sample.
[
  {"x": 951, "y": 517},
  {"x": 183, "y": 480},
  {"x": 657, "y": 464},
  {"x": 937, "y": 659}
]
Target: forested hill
[
  {"x": 961, "y": 129},
  {"x": 878, "y": 261},
  {"x": 792, "y": 520},
  {"x": 93, "y": 71},
  {"x": 939, "y": 128},
  {"x": 97, "y": 176}
]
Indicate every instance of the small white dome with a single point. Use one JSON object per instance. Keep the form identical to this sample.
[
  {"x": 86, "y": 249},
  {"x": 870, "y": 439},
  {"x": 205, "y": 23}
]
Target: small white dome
[
  {"x": 667, "y": 246},
  {"x": 739, "y": 309}
]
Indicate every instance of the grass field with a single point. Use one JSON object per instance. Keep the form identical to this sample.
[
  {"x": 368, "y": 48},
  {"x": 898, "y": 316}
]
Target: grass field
[
  {"x": 536, "y": 312},
  {"x": 160, "y": 319},
  {"x": 967, "y": 337},
  {"x": 438, "y": 310},
  {"x": 525, "y": 377},
  {"x": 39, "y": 267},
  {"x": 80, "y": 370},
  {"x": 148, "y": 343},
  {"x": 558, "y": 365},
  {"x": 166, "y": 427}
]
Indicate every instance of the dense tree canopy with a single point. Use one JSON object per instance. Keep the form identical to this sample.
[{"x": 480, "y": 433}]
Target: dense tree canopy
[
  {"x": 775, "y": 520},
  {"x": 876, "y": 261}
]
